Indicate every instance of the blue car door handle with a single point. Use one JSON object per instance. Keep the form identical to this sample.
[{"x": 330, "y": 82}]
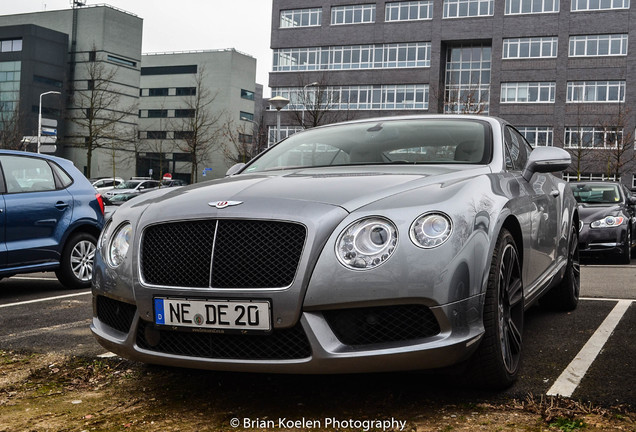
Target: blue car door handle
[{"x": 61, "y": 205}]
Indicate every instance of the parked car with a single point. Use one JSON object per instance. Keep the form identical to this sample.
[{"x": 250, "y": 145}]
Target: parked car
[
  {"x": 133, "y": 186},
  {"x": 173, "y": 182},
  {"x": 608, "y": 219},
  {"x": 50, "y": 218},
  {"x": 105, "y": 184},
  {"x": 386, "y": 244}
]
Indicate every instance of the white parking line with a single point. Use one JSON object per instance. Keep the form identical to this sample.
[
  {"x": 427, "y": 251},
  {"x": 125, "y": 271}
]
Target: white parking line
[
  {"x": 571, "y": 377},
  {"x": 43, "y": 330},
  {"x": 44, "y": 299}
]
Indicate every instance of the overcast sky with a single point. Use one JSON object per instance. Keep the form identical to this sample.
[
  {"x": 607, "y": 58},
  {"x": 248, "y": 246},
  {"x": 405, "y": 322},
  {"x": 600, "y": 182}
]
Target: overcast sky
[{"x": 186, "y": 25}]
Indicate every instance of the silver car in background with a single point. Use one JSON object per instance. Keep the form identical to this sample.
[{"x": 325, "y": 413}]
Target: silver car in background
[{"x": 387, "y": 244}]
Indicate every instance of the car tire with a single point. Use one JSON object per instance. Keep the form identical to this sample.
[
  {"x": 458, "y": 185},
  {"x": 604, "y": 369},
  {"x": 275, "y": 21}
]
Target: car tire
[
  {"x": 495, "y": 364},
  {"x": 565, "y": 296},
  {"x": 77, "y": 260}
]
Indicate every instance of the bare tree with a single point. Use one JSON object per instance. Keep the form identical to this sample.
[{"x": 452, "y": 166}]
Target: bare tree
[
  {"x": 619, "y": 142},
  {"x": 199, "y": 125},
  {"x": 100, "y": 113},
  {"x": 242, "y": 143},
  {"x": 317, "y": 103},
  {"x": 11, "y": 129}
]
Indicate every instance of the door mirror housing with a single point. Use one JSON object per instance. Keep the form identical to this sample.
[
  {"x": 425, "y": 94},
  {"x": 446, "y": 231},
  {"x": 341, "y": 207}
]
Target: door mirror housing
[
  {"x": 234, "y": 169},
  {"x": 546, "y": 160}
]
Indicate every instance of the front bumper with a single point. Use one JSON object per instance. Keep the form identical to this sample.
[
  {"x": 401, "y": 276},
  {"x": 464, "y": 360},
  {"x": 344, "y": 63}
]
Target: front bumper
[
  {"x": 602, "y": 241},
  {"x": 314, "y": 345}
]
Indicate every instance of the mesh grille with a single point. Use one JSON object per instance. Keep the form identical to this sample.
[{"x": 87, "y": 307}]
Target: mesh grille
[
  {"x": 247, "y": 254},
  {"x": 256, "y": 254},
  {"x": 283, "y": 344},
  {"x": 365, "y": 326},
  {"x": 178, "y": 254},
  {"x": 116, "y": 314}
]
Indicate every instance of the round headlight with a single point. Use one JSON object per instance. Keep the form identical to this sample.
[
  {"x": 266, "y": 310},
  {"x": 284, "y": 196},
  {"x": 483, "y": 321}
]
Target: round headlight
[
  {"x": 119, "y": 245},
  {"x": 431, "y": 230},
  {"x": 366, "y": 243}
]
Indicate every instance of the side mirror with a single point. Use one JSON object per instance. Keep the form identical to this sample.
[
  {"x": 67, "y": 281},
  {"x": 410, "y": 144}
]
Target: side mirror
[
  {"x": 632, "y": 201},
  {"x": 234, "y": 169},
  {"x": 546, "y": 160}
]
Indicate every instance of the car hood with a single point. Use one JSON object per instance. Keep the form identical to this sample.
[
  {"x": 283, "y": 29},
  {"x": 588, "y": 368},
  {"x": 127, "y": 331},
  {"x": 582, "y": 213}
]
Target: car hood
[
  {"x": 594, "y": 212},
  {"x": 349, "y": 188}
]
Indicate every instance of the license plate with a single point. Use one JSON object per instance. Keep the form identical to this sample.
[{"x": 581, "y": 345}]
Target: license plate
[{"x": 213, "y": 314}]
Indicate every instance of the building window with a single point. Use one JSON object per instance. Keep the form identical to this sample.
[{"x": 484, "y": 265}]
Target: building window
[
  {"x": 245, "y": 138},
  {"x": 353, "y": 14},
  {"x": 528, "y": 92},
  {"x": 157, "y": 113},
  {"x": 527, "y": 48},
  {"x": 246, "y": 116},
  {"x": 538, "y": 136},
  {"x": 381, "y": 56},
  {"x": 285, "y": 131},
  {"x": 9, "y": 86},
  {"x": 185, "y": 91},
  {"x": 11, "y": 45},
  {"x": 183, "y": 135},
  {"x": 516, "y": 7},
  {"x": 596, "y": 91},
  {"x": 592, "y": 137},
  {"x": 47, "y": 81},
  {"x": 158, "y": 91},
  {"x": 467, "y": 87},
  {"x": 121, "y": 61},
  {"x": 184, "y": 113},
  {"x": 588, "y": 5},
  {"x": 246, "y": 94},
  {"x": 300, "y": 18},
  {"x": 468, "y": 8},
  {"x": 156, "y": 134},
  {"x": 359, "y": 97},
  {"x": 409, "y": 11},
  {"x": 598, "y": 45},
  {"x": 633, "y": 181}
]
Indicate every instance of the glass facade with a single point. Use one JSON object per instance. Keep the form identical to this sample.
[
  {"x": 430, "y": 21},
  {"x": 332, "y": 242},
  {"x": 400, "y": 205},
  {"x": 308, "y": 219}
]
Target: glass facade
[
  {"x": 9, "y": 87},
  {"x": 467, "y": 87}
]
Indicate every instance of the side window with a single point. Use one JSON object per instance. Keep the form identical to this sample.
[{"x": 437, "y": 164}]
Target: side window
[
  {"x": 517, "y": 149},
  {"x": 26, "y": 174},
  {"x": 63, "y": 178}
]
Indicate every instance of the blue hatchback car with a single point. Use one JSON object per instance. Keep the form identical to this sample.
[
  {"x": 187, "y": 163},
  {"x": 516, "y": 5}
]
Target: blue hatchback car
[{"x": 50, "y": 218}]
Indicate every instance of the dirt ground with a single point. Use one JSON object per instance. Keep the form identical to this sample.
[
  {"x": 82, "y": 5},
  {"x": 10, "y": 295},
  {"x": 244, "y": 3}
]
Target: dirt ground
[{"x": 55, "y": 393}]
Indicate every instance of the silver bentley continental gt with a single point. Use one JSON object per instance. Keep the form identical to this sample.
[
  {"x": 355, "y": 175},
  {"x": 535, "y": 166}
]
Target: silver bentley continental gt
[{"x": 388, "y": 244}]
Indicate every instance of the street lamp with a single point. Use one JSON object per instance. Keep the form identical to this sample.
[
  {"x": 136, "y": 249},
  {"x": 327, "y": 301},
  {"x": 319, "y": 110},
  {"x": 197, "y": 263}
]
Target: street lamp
[
  {"x": 40, "y": 115},
  {"x": 279, "y": 103},
  {"x": 315, "y": 83}
]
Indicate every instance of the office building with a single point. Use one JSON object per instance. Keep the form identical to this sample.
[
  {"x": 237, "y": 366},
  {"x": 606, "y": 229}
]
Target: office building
[{"x": 561, "y": 71}]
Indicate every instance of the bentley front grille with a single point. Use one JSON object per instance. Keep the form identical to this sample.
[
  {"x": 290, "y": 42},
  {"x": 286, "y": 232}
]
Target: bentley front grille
[{"x": 222, "y": 253}]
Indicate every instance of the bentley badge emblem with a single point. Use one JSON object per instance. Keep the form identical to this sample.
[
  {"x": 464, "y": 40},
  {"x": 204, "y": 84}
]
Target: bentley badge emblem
[{"x": 223, "y": 204}]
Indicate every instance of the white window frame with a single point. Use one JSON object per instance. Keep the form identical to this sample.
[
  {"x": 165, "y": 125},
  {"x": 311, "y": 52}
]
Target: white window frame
[
  {"x": 591, "y": 137},
  {"x": 534, "y": 135},
  {"x": 293, "y": 18},
  {"x": 468, "y": 8},
  {"x": 544, "y": 47},
  {"x": 524, "y": 7},
  {"x": 593, "y": 91},
  {"x": 590, "y": 45},
  {"x": 598, "y": 5},
  {"x": 521, "y": 92},
  {"x": 353, "y": 14},
  {"x": 419, "y": 10}
]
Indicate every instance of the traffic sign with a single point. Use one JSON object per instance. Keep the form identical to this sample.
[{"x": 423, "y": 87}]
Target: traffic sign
[
  {"x": 49, "y": 131},
  {"x": 49, "y": 122}
]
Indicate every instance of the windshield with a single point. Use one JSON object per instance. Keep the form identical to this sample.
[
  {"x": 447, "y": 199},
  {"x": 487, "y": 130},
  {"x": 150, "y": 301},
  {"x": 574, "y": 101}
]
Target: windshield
[
  {"x": 127, "y": 185},
  {"x": 596, "y": 193},
  {"x": 378, "y": 142}
]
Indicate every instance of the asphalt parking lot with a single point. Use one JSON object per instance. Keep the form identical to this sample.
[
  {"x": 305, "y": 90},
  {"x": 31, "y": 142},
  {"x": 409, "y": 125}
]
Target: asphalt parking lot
[{"x": 587, "y": 354}]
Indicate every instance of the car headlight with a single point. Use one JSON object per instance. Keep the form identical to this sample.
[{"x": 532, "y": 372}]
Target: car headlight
[
  {"x": 119, "y": 245},
  {"x": 608, "y": 222},
  {"x": 367, "y": 243},
  {"x": 431, "y": 230}
]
